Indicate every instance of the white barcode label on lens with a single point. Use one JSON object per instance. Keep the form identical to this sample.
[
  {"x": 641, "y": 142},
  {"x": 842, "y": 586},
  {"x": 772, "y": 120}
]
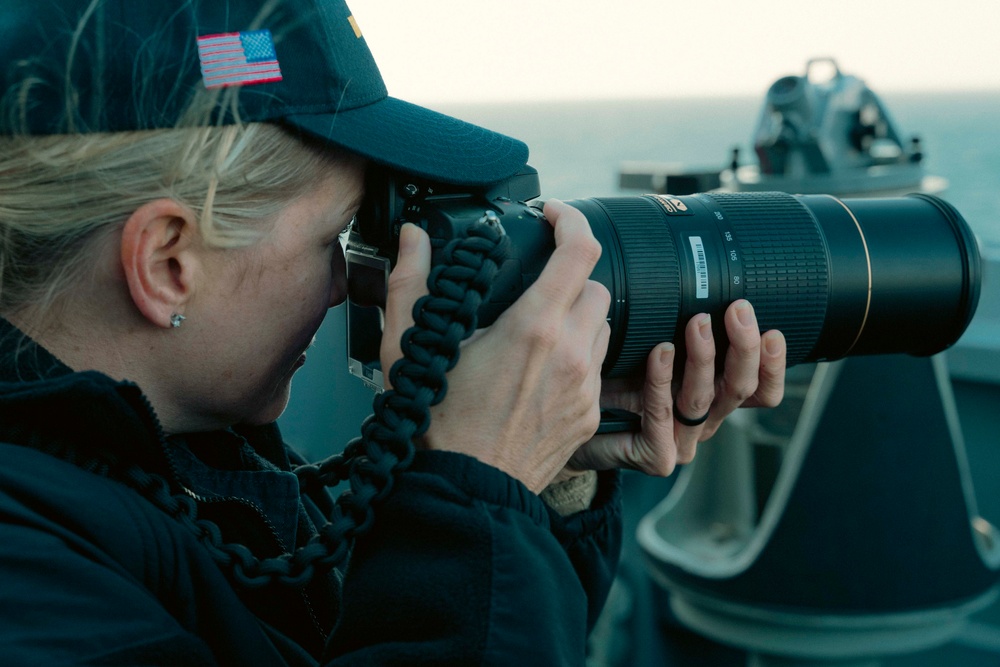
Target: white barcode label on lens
[{"x": 700, "y": 267}]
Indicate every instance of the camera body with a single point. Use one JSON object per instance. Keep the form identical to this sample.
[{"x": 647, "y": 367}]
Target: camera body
[
  {"x": 444, "y": 211},
  {"x": 837, "y": 277}
]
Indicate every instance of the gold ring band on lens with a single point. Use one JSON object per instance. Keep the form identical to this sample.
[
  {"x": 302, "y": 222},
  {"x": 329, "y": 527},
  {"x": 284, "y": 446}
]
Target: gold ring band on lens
[{"x": 868, "y": 261}]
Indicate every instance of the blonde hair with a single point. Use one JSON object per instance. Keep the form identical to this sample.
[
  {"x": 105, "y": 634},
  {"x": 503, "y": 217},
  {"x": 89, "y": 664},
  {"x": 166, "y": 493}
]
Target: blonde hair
[
  {"x": 61, "y": 193},
  {"x": 58, "y": 194}
]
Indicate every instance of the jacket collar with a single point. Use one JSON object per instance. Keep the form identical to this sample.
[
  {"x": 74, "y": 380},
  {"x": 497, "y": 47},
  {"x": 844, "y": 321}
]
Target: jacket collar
[
  {"x": 23, "y": 360},
  {"x": 46, "y": 405}
]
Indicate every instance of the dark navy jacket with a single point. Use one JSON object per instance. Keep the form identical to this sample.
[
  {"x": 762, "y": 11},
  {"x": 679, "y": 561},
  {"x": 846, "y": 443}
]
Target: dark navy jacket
[{"x": 464, "y": 565}]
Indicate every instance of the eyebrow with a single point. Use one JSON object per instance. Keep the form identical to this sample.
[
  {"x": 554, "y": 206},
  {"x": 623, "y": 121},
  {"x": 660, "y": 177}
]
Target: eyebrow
[
  {"x": 357, "y": 201},
  {"x": 352, "y": 205}
]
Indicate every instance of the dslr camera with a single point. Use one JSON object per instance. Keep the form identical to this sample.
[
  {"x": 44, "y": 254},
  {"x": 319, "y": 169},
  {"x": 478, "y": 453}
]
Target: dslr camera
[{"x": 838, "y": 277}]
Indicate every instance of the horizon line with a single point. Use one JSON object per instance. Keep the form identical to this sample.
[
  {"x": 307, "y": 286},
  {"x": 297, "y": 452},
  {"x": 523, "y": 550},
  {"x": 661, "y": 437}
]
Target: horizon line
[{"x": 537, "y": 101}]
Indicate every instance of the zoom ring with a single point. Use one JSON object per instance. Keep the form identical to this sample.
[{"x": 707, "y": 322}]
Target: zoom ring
[
  {"x": 785, "y": 265},
  {"x": 653, "y": 278}
]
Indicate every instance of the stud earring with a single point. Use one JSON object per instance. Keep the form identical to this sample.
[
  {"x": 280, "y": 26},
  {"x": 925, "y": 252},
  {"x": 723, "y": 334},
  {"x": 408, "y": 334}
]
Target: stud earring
[{"x": 175, "y": 320}]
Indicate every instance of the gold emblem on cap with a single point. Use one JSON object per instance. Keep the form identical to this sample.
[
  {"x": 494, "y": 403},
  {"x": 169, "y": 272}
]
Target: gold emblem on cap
[{"x": 354, "y": 24}]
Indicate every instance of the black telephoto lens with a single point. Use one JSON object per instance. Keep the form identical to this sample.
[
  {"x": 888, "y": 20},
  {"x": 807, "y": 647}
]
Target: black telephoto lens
[{"x": 837, "y": 277}]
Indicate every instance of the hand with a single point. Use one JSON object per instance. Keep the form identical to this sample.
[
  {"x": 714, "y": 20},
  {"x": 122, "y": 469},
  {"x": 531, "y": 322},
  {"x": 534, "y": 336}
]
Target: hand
[
  {"x": 526, "y": 392},
  {"x": 753, "y": 376}
]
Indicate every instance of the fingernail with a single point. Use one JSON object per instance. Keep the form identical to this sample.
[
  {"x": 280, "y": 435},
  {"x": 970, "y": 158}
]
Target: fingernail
[
  {"x": 667, "y": 354},
  {"x": 744, "y": 313},
  {"x": 773, "y": 345},
  {"x": 705, "y": 327}
]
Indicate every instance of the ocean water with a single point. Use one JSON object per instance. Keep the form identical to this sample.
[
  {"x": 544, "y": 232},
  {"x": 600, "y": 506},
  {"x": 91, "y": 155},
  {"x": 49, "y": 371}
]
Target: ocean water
[{"x": 578, "y": 148}]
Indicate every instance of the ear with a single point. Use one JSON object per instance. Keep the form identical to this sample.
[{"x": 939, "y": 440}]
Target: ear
[{"x": 159, "y": 258}]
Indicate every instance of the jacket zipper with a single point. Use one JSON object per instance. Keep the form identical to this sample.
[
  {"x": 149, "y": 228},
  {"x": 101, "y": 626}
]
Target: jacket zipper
[{"x": 176, "y": 478}]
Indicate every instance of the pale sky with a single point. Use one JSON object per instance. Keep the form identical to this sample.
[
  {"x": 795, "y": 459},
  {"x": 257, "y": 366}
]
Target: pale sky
[{"x": 444, "y": 51}]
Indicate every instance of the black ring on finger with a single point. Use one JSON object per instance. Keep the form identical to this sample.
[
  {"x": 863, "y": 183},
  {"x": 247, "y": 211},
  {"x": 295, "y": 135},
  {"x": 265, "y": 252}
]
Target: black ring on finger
[{"x": 687, "y": 421}]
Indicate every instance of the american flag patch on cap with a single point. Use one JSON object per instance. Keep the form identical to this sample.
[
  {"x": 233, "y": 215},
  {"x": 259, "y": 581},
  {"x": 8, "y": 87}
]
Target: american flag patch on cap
[{"x": 237, "y": 58}]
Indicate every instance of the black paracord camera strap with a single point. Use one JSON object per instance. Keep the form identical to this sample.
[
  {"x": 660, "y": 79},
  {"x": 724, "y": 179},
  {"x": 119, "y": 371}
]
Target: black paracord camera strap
[{"x": 458, "y": 284}]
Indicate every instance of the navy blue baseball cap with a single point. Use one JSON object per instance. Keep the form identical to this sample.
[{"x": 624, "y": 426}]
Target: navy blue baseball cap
[{"x": 136, "y": 64}]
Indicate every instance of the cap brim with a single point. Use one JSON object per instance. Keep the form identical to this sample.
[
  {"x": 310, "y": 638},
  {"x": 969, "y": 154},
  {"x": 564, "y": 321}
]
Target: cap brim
[{"x": 419, "y": 141}]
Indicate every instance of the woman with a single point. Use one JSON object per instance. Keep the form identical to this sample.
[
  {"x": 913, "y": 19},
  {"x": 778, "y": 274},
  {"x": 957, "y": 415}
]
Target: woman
[{"x": 174, "y": 180}]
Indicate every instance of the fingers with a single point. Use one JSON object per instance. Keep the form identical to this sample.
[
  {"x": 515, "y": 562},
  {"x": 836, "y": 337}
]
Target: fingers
[
  {"x": 753, "y": 375},
  {"x": 697, "y": 392},
  {"x": 526, "y": 393},
  {"x": 585, "y": 332},
  {"x": 569, "y": 267},
  {"x": 658, "y": 426},
  {"x": 600, "y": 302},
  {"x": 407, "y": 283},
  {"x": 771, "y": 383},
  {"x": 739, "y": 379},
  {"x": 563, "y": 306},
  {"x": 754, "y": 371}
]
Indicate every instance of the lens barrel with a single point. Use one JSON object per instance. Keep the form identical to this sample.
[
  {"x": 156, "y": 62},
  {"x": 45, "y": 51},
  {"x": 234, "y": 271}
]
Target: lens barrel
[{"x": 837, "y": 277}]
